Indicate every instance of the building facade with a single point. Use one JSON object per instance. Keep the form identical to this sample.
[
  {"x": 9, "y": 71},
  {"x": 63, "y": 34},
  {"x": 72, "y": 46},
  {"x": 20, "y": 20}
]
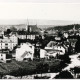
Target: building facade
[{"x": 25, "y": 51}]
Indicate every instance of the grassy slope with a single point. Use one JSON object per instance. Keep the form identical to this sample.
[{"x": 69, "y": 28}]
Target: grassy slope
[{"x": 14, "y": 65}]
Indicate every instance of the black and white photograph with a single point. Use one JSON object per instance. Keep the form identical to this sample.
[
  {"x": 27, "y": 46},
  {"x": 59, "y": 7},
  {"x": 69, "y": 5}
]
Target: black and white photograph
[{"x": 39, "y": 39}]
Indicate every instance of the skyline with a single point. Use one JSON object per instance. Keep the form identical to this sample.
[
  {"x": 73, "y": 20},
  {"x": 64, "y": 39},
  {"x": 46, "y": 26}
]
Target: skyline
[{"x": 37, "y": 22}]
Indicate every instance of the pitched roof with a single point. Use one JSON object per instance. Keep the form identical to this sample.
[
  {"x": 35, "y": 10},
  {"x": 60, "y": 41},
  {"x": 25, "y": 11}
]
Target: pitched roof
[
  {"x": 52, "y": 50},
  {"x": 51, "y": 43}
]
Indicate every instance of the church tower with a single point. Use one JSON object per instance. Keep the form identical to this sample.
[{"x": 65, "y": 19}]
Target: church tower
[
  {"x": 74, "y": 29},
  {"x": 26, "y": 27}
]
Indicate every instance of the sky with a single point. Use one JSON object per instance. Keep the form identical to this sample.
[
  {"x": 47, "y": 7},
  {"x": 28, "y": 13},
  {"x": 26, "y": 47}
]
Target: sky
[
  {"x": 42, "y": 1},
  {"x": 20, "y": 12}
]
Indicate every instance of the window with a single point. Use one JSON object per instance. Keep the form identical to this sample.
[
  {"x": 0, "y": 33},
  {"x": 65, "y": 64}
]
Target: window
[
  {"x": 1, "y": 55},
  {"x": 1, "y": 58},
  {"x": 6, "y": 44},
  {"x": 31, "y": 46}
]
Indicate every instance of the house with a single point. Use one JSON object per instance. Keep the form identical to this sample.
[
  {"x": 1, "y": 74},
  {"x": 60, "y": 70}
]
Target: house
[
  {"x": 65, "y": 34},
  {"x": 25, "y": 51},
  {"x": 54, "y": 52},
  {"x": 5, "y": 56},
  {"x": 73, "y": 42},
  {"x": 43, "y": 53},
  {"x": 14, "y": 39},
  {"x": 31, "y": 32},
  {"x": 32, "y": 36},
  {"x": 21, "y": 34},
  {"x": 47, "y": 53},
  {"x": 8, "y": 42},
  {"x": 57, "y": 38},
  {"x": 26, "y": 35},
  {"x": 52, "y": 45}
]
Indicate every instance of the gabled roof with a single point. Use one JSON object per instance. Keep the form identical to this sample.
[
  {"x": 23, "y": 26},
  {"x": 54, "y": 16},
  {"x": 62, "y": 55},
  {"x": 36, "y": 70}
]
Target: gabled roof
[
  {"x": 51, "y": 43},
  {"x": 25, "y": 53},
  {"x": 6, "y": 41},
  {"x": 52, "y": 50}
]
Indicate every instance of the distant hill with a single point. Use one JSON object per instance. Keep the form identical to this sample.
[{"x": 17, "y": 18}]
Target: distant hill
[
  {"x": 65, "y": 28},
  {"x": 40, "y": 27}
]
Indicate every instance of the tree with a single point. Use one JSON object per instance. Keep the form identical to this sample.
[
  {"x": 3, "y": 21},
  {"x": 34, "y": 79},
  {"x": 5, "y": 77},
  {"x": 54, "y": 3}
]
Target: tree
[
  {"x": 8, "y": 31},
  {"x": 70, "y": 49},
  {"x": 64, "y": 75},
  {"x": 65, "y": 58},
  {"x": 77, "y": 45},
  {"x": 20, "y": 72},
  {"x": 75, "y": 70},
  {"x": 1, "y": 75},
  {"x": 60, "y": 34},
  {"x": 42, "y": 68},
  {"x": 45, "y": 67}
]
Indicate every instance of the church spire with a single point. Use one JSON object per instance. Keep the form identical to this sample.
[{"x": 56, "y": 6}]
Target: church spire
[{"x": 74, "y": 28}]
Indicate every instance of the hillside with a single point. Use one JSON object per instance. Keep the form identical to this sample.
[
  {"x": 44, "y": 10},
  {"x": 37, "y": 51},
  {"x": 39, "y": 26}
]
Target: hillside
[{"x": 65, "y": 28}]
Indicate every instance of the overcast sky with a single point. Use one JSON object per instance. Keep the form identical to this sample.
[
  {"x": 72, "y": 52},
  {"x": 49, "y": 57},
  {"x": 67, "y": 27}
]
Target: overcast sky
[
  {"x": 42, "y": 1},
  {"x": 10, "y": 12}
]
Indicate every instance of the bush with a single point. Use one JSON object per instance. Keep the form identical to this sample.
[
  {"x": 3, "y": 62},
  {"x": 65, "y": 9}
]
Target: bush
[
  {"x": 42, "y": 68},
  {"x": 64, "y": 75},
  {"x": 65, "y": 58}
]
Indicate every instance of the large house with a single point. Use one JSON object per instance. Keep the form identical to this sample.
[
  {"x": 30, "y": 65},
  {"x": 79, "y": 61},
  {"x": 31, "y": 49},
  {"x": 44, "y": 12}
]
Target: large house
[
  {"x": 32, "y": 36},
  {"x": 31, "y": 32},
  {"x": 25, "y": 51},
  {"x": 26, "y": 35},
  {"x": 47, "y": 53},
  {"x": 55, "y": 45},
  {"x": 8, "y": 42},
  {"x": 52, "y": 49},
  {"x": 21, "y": 34}
]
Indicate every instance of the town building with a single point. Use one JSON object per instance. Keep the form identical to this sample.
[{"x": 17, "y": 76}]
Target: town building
[
  {"x": 47, "y": 53},
  {"x": 5, "y": 56},
  {"x": 8, "y": 42},
  {"x": 31, "y": 32},
  {"x": 65, "y": 34},
  {"x": 25, "y": 51},
  {"x": 32, "y": 36},
  {"x": 53, "y": 45}
]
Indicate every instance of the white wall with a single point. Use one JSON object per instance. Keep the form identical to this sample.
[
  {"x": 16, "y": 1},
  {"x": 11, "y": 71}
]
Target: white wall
[
  {"x": 20, "y": 51},
  {"x": 59, "y": 48},
  {"x": 43, "y": 53},
  {"x": 3, "y": 56}
]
